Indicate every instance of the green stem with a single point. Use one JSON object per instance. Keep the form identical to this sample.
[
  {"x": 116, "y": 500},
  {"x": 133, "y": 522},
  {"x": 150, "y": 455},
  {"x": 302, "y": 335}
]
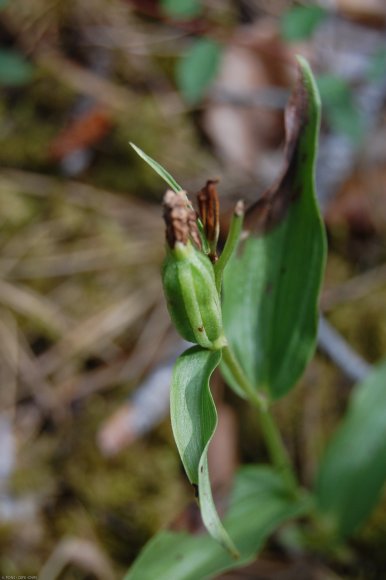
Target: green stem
[
  {"x": 272, "y": 437},
  {"x": 232, "y": 363},
  {"x": 230, "y": 244},
  {"x": 277, "y": 450}
]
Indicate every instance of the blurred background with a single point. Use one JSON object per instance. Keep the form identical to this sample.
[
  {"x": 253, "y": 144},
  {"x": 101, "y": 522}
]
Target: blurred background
[{"x": 88, "y": 467}]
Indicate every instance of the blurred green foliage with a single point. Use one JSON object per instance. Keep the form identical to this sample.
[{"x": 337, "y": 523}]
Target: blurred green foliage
[
  {"x": 377, "y": 69},
  {"x": 182, "y": 8},
  {"x": 339, "y": 108},
  {"x": 300, "y": 22},
  {"x": 15, "y": 70},
  {"x": 197, "y": 69}
]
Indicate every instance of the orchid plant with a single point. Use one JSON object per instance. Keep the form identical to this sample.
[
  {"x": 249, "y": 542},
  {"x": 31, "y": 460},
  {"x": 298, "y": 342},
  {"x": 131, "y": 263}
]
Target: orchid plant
[{"x": 252, "y": 311}]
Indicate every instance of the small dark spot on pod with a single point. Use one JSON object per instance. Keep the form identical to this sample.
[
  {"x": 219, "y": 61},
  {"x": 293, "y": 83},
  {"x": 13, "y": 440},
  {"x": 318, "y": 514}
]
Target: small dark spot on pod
[{"x": 200, "y": 329}]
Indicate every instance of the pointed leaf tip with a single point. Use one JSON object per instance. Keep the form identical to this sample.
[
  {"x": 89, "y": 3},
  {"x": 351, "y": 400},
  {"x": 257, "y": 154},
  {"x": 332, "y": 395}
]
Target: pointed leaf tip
[
  {"x": 157, "y": 167},
  {"x": 302, "y": 118}
]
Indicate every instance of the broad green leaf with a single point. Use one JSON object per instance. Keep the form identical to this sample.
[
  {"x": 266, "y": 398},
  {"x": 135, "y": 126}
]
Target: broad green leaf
[
  {"x": 197, "y": 69},
  {"x": 353, "y": 470},
  {"x": 172, "y": 183},
  {"x": 258, "y": 506},
  {"x": 181, "y": 8},
  {"x": 300, "y": 22},
  {"x": 271, "y": 287},
  {"x": 14, "y": 69},
  {"x": 194, "y": 420}
]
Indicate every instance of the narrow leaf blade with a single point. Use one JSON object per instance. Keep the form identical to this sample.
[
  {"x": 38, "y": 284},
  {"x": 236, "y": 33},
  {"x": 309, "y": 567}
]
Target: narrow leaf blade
[
  {"x": 194, "y": 420},
  {"x": 259, "y": 504},
  {"x": 172, "y": 183},
  {"x": 157, "y": 167},
  {"x": 353, "y": 470},
  {"x": 271, "y": 288}
]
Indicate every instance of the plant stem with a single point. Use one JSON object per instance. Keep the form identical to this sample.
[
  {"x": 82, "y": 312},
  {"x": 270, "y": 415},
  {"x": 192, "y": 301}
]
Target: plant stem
[
  {"x": 272, "y": 437},
  {"x": 230, "y": 244},
  {"x": 277, "y": 450},
  {"x": 232, "y": 363}
]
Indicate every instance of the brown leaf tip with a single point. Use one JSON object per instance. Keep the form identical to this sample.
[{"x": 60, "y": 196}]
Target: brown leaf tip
[
  {"x": 209, "y": 210},
  {"x": 272, "y": 207},
  {"x": 296, "y": 113},
  {"x": 180, "y": 219}
]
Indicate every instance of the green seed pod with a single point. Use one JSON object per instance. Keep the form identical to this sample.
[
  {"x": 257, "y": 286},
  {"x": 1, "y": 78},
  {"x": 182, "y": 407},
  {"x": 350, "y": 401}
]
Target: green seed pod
[
  {"x": 188, "y": 277},
  {"x": 192, "y": 297}
]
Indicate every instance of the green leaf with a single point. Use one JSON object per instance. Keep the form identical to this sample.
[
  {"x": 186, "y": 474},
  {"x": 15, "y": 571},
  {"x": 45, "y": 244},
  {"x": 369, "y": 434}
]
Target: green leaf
[
  {"x": 197, "y": 69},
  {"x": 334, "y": 91},
  {"x": 14, "y": 69},
  {"x": 271, "y": 287},
  {"x": 172, "y": 183},
  {"x": 377, "y": 65},
  {"x": 259, "y": 504},
  {"x": 347, "y": 121},
  {"x": 340, "y": 111},
  {"x": 353, "y": 469},
  {"x": 194, "y": 420},
  {"x": 301, "y": 21},
  {"x": 181, "y": 8}
]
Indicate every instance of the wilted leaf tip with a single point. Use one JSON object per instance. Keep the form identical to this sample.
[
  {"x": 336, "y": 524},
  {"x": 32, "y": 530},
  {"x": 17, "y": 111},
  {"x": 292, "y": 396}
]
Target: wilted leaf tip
[
  {"x": 209, "y": 212},
  {"x": 296, "y": 113},
  {"x": 302, "y": 111},
  {"x": 180, "y": 219}
]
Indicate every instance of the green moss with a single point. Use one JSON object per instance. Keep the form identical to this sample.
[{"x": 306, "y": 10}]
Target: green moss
[
  {"x": 371, "y": 539},
  {"x": 26, "y": 479},
  {"x": 30, "y": 122},
  {"x": 362, "y": 323},
  {"x": 16, "y": 210},
  {"x": 171, "y": 140},
  {"x": 338, "y": 270}
]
